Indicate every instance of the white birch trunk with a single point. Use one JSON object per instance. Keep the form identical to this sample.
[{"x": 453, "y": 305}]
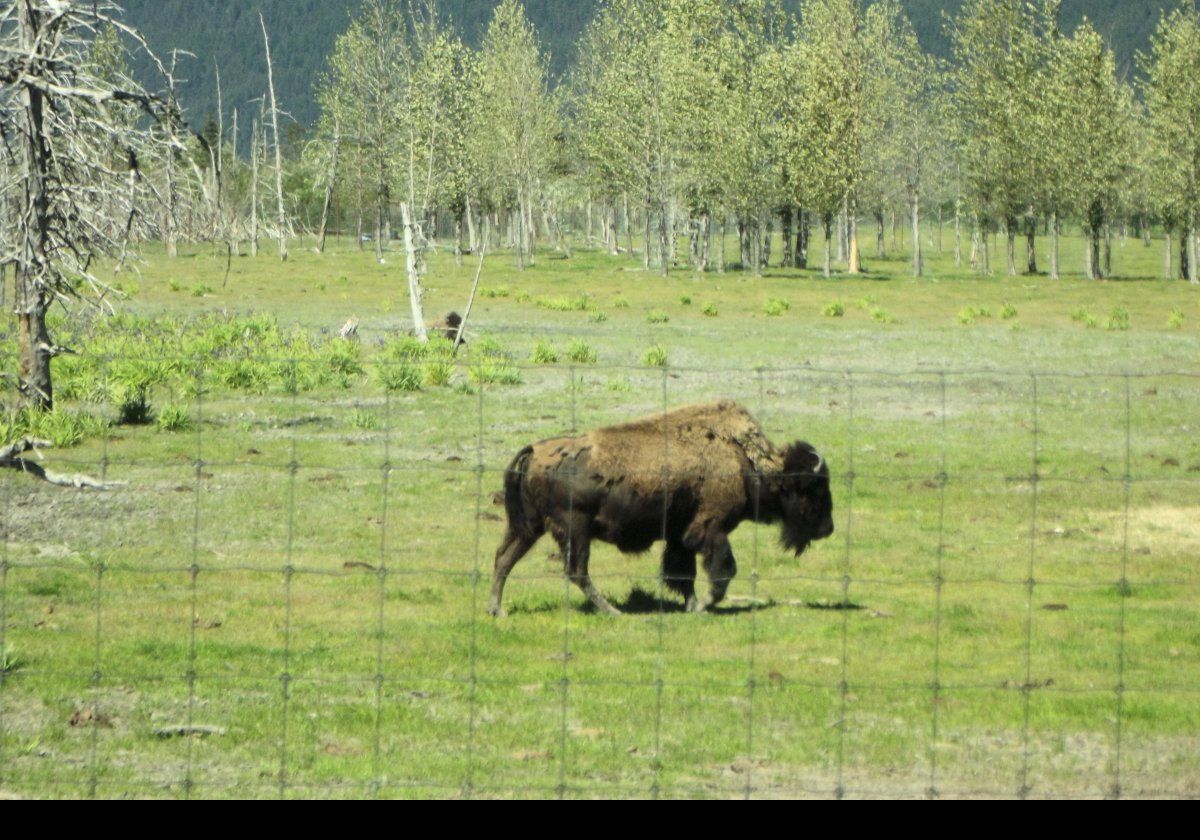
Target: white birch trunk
[
  {"x": 282, "y": 215},
  {"x": 414, "y": 279}
]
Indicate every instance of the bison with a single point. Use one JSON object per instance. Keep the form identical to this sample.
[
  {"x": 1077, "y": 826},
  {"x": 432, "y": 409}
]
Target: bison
[{"x": 687, "y": 476}]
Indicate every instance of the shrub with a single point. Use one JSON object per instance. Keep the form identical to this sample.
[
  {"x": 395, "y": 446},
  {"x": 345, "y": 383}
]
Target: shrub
[
  {"x": 1008, "y": 311},
  {"x": 655, "y": 356},
  {"x": 543, "y": 353},
  {"x": 685, "y": 300},
  {"x": 833, "y": 310},
  {"x": 580, "y": 353},
  {"x": 776, "y": 307},
  {"x": 1175, "y": 319},
  {"x": 439, "y": 372},
  {"x": 578, "y": 303},
  {"x": 365, "y": 420},
  {"x": 494, "y": 292},
  {"x": 619, "y": 385},
  {"x": 494, "y": 371},
  {"x": 656, "y": 317},
  {"x": 399, "y": 376},
  {"x": 620, "y": 302},
  {"x": 201, "y": 289},
  {"x": 1119, "y": 319},
  {"x": 1080, "y": 315},
  {"x": 133, "y": 407},
  {"x": 878, "y": 313},
  {"x": 597, "y": 318},
  {"x": 173, "y": 418},
  {"x": 709, "y": 310}
]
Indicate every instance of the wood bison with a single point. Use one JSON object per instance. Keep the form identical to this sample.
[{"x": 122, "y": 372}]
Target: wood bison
[{"x": 688, "y": 476}]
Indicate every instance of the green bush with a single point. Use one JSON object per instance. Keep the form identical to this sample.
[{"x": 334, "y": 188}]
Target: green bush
[
  {"x": 1175, "y": 319},
  {"x": 173, "y": 418},
  {"x": 399, "y": 376},
  {"x": 775, "y": 307},
  {"x": 709, "y": 310},
  {"x": 494, "y": 292},
  {"x": 580, "y": 353},
  {"x": 657, "y": 317},
  {"x": 439, "y": 372},
  {"x": 833, "y": 309},
  {"x": 1119, "y": 319},
  {"x": 1008, "y": 311},
  {"x": 597, "y": 317},
  {"x": 878, "y": 313},
  {"x": 543, "y": 353},
  {"x": 685, "y": 300},
  {"x": 655, "y": 356}
]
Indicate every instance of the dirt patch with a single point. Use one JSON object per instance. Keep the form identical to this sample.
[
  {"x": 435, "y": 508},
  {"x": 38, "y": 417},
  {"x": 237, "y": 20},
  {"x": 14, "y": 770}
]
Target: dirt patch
[{"x": 1165, "y": 528}]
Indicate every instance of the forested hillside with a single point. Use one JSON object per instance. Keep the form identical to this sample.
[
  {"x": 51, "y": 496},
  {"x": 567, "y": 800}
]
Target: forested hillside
[{"x": 226, "y": 33}]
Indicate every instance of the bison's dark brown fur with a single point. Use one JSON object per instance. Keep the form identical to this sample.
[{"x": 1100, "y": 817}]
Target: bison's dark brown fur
[{"x": 689, "y": 477}]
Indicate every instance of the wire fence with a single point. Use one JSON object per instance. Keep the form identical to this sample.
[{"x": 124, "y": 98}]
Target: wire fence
[{"x": 286, "y": 597}]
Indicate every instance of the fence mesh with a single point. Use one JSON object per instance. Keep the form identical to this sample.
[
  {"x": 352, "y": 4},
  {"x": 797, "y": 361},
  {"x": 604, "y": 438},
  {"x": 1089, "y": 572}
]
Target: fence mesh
[{"x": 286, "y": 598}]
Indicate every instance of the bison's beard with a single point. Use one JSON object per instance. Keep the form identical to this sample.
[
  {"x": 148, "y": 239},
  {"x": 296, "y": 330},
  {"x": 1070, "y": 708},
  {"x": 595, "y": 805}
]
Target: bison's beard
[{"x": 806, "y": 519}]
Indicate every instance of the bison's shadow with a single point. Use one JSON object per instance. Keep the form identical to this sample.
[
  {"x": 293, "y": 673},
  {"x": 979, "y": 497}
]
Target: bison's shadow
[{"x": 645, "y": 602}]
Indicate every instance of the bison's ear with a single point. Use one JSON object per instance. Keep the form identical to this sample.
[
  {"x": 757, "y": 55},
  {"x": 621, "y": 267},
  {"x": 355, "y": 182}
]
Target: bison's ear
[{"x": 801, "y": 459}]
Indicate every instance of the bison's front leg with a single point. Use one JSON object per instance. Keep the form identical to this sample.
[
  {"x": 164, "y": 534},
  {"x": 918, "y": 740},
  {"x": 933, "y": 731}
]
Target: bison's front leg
[
  {"x": 719, "y": 565},
  {"x": 576, "y": 543}
]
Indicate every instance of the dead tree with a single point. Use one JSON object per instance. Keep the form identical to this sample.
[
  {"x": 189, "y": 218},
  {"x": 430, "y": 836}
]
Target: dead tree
[
  {"x": 282, "y": 220},
  {"x": 59, "y": 125}
]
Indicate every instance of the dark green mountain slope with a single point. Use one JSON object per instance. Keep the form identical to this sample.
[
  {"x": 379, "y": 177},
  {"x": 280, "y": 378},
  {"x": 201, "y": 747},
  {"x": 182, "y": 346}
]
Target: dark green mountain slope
[{"x": 226, "y": 32}]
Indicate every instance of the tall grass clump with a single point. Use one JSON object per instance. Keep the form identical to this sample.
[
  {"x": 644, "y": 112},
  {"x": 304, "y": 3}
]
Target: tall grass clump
[
  {"x": 581, "y": 352},
  {"x": 655, "y": 356}
]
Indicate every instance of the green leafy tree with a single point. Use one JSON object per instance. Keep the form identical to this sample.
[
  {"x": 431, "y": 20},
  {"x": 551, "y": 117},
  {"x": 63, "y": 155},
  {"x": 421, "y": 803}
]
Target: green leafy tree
[{"x": 1172, "y": 96}]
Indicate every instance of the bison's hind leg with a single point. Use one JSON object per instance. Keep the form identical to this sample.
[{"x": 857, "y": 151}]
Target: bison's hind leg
[
  {"x": 575, "y": 540},
  {"x": 679, "y": 573},
  {"x": 512, "y": 548}
]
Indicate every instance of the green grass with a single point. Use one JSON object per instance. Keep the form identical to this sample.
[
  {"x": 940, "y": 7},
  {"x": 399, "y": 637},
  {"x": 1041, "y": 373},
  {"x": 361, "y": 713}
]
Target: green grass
[{"x": 307, "y": 519}]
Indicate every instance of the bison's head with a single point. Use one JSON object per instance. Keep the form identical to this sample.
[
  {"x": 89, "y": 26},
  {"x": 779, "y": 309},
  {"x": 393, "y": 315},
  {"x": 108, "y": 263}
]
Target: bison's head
[{"x": 804, "y": 502}]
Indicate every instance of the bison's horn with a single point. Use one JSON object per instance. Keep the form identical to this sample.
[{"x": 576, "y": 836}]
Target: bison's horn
[{"x": 820, "y": 462}]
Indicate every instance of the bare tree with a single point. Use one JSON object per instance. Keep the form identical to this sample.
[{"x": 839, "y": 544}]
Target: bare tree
[
  {"x": 59, "y": 124},
  {"x": 282, "y": 221}
]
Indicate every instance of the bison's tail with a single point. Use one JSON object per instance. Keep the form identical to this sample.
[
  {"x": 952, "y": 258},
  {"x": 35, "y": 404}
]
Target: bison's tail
[{"x": 522, "y": 519}]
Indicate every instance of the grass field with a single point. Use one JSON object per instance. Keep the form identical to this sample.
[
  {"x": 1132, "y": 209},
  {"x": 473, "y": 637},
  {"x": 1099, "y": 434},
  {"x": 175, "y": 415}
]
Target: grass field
[{"x": 285, "y": 596}]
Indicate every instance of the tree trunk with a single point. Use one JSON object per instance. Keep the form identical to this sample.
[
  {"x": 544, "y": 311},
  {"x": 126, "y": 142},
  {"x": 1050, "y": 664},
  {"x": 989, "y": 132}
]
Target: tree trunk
[
  {"x": 880, "y": 239},
  {"x": 254, "y": 132},
  {"x": 1167, "y": 258},
  {"x": 721, "y": 246},
  {"x": 282, "y": 213},
  {"x": 31, "y": 296},
  {"x": 785, "y": 220},
  {"x": 768, "y": 234},
  {"x": 330, "y": 180},
  {"x": 958, "y": 233},
  {"x": 472, "y": 242},
  {"x": 852, "y": 234},
  {"x": 628, "y": 223},
  {"x": 1055, "y": 231},
  {"x": 664, "y": 256},
  {"x": 1089, "y": 270},
  {"x": 1010, "y": 229},
  {"x": 1107, "y": 249},
  {"x": 803, "y": 236},
  {"x": 1031, "y": 242},
  {"x": 414, "y": 279},
  {"x": 828, "y": 220},
  {"x": 1193, "y": 258},
  {"x": 918, "y": 263},
  {"x": 646, "y": 241}
]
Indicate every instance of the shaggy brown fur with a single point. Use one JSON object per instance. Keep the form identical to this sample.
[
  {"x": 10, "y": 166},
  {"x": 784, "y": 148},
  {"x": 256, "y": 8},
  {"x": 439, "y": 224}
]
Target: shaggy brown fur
[
  {"x": 688, "y": 476},
  {"x": 447, "y": 325}
]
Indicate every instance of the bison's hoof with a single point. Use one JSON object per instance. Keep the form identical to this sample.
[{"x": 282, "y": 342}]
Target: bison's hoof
[
  {"x": 497, "y": 611},
  {"x": 694, "y": 605}
]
